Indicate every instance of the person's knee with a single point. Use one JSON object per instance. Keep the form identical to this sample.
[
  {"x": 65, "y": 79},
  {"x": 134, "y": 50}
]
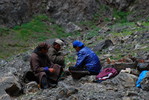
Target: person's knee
[
  {"x": 42, "y": 73},
  {"x": 44, "y": 82}
]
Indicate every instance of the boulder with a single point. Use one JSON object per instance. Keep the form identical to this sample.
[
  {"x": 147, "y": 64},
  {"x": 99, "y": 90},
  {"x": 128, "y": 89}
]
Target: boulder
[
  {"x": 145, "y": 83},
  {"x": 5, "y": 96},
  {"x": 31, "y": 87},
  {"x": 120, "y": 4},
  {"x": 121, "y": 65},
  {"x": 102, "y": 45},
  {"x": 13, "y": 12},
  {"x": 71, "y": 27},
  {"x": 123, "y": 80},
  {"x": 10, "y": 85},
  {"x": 65, "y": 11}
]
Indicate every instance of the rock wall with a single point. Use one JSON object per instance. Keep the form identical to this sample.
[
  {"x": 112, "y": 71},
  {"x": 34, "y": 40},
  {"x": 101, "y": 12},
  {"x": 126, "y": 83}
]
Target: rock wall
[
  {"x": 119, "y": 4},
  {"x": 16, "y": 12},
  {"x": 13, "y": 12},
  {"x": 72, "y": 10}
]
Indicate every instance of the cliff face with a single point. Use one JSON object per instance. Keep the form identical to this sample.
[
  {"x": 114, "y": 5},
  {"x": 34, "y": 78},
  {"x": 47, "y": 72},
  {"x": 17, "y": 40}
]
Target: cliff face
[
  {"x": 16, "y": 12},
  {"x": 13, "y": 12},
  {"x": 72, "y": 10}
]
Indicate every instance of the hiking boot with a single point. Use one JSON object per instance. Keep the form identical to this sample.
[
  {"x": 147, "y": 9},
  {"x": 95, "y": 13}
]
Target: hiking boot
[{"x": 44, "y": 83}]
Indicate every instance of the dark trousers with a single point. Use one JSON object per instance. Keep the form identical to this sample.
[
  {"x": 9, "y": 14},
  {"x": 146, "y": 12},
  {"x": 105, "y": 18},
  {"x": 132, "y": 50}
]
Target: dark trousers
[
  {"x": 78, "y": 72},
  {"x": 49, "y": 77}
]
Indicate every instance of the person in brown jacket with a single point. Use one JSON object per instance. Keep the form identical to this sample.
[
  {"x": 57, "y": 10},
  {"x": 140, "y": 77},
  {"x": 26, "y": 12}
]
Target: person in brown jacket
[
  {"x": 55, "y": 54},
  {"x": 45, "y": 71}
]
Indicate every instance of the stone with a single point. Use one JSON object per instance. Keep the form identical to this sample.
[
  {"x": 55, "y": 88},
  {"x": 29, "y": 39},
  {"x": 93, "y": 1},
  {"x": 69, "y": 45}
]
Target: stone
[
  {"x": 124, "y": 80},
  {"x": 31, "y": 87},
  {"x": 145, "y": 83},
  {"x": 71, "y": 27},
  {"x": 123, "y": 65},
  {"x": 120, "y": 4},
  {"x": 10, "y": 85},
  {"x": 131, "y": 93},
  {"x": 72, "y": 91},
  {"x": 102, "y": 45},
  {"x": 126, "y": 98},
  {"x": 13, "y": 13},
  {"x": 5, "y": 97}
]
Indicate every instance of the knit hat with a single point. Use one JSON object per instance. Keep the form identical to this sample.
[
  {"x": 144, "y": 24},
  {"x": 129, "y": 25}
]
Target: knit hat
[
  {"x": 43, "y": 45},
  {"x": 77, "y": 43},
  {"x": 60, "y": 42}
]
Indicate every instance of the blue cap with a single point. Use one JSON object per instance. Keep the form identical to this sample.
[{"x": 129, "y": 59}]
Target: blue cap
[{"x": 77, "y": 43}]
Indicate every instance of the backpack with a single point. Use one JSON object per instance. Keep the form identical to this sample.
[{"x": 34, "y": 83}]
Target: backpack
[{"x": 106, "y": 74}]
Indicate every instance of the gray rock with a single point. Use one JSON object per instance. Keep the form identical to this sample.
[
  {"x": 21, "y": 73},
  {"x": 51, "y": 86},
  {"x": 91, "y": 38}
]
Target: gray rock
[
  {"x": 62, "y": 93},
  {"x": 126, "y": 98},
  {"x": 132, "y": 93},
  {"x": 5, "y": 96},
  {"x": 135, "y": 72},
  {"x": 87, "y": 79},
  {"x": 71, "y": 91},
  {"x": 122, "y": 65},
  {"x": 120, "y": 4},
  {"x": 123, "y": 80},
  {"x": 102, "y": 45},
  {"x": 10, "y": 84},
  {"x": 31, "y": 87},
  {"x": 2, "y": 62},
  {"x": 145, "y": 83},
  {"x": 104, "y": 30},
  {"x": 71, "y": 27},
  {"x": 73, "y": 97},
  {"x": 13, "y": 13}
]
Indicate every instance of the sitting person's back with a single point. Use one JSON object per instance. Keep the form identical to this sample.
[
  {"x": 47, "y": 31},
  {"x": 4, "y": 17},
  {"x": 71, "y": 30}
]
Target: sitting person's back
[
  {"x": 55, "y": 54},
  {"x": 45, "y": 71},
  {"x": 87, "y": 60}
]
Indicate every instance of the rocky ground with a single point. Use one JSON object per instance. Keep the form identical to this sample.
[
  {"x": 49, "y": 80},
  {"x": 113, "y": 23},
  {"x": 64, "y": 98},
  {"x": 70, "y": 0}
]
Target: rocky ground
[
  {"x": 66, "y": 13},
  {"x": 106, "y": 45},
  {"x": 117, "y": 41}
]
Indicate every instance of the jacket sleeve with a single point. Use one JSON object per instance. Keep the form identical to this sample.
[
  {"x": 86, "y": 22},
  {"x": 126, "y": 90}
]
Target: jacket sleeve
[
  {"x": 59, "y": 58},
  {"x": 50, "y": 63},
  {"x": 35, "y": 64},
  {"x": 80, "y": 59},
  {"x": 56, "y": 56}
]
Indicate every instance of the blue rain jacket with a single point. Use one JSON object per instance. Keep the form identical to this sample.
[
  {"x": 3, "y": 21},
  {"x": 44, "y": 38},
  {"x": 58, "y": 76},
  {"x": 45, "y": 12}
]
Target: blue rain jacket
[
  {"x": 86, "y": 57},
  {"x": 141, "y": 77}
]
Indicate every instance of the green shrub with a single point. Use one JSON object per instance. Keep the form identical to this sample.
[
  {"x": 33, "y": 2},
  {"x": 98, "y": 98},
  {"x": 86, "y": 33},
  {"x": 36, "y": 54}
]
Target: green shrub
[
  {"x": 4, "y": 31},
  {"x": 41, "y": 18},
  {"x": 120, "y": 16},
  {"x": 27, "y": 30}
]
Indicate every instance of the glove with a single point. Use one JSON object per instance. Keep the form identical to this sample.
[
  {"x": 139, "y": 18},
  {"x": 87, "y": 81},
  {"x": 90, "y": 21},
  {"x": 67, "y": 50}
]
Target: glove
[{"x": 45, "y": 68}]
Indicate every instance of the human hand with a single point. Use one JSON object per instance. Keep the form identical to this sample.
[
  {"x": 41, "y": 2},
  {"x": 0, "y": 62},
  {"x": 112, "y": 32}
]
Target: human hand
[{"x": 51, "y": 70}]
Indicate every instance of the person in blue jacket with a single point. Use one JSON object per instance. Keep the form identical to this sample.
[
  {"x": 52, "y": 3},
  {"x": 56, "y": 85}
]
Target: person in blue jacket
[{"x": 87, "y": 60}]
